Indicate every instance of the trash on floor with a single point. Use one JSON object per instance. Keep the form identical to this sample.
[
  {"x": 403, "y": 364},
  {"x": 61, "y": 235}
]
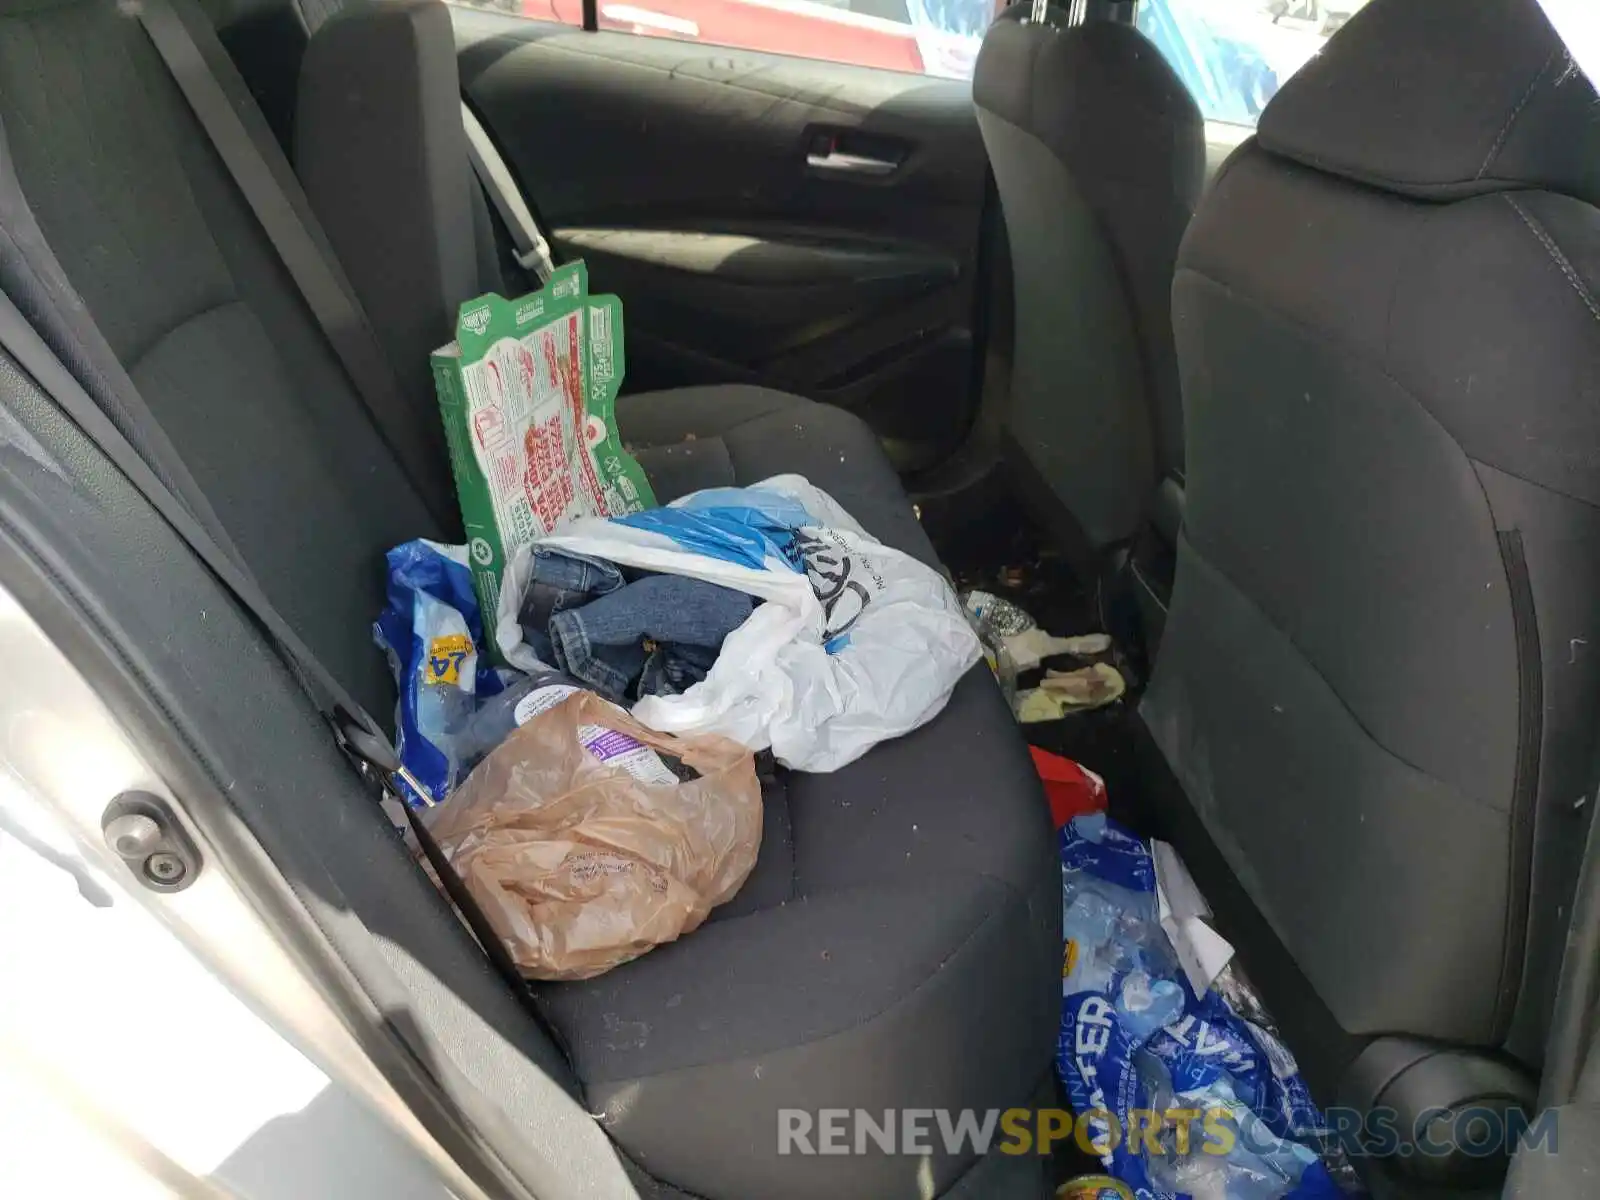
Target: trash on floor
[
  {"x": 527, "y": 391},
  {"x": 1073, "y": 790},
  {"x": 1088, "y": 687},
  {"x": 997, "y": 615},
  {"x": 1137, "y": 1037},
  {"x": 843, "y": 642},
  {"x": 1000, "y": 664},
  {"x": 998, "y": 658},
  {"x": 1032, "y": 646},
  {"x": 432, "y": 632},
  {"x": 1063, "y": 692},
  {"x": 587, "y": 839},
  {"x": 1093, "y": 1187},
  {"x": 1035, "y": 705},
  {"x": 1014, "y": 643}
]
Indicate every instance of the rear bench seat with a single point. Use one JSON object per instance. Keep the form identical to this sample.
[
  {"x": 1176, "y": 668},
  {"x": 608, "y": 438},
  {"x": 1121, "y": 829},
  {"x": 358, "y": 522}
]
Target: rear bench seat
[{"x": 897, "y": 944}]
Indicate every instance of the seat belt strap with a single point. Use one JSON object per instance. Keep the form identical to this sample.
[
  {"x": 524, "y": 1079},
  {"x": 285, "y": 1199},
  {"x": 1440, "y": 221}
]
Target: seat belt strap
[
  {"x": 354, "y": 729},
  {"x": 532, "y": 251},
  {"x": 261, "y": 173},
  {"x": 22, "y": 342}
]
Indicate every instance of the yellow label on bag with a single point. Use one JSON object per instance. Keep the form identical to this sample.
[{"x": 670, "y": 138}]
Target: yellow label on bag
[
  {"x": 445, "y": 656},
  {"x": 1069, "y": 959},
  {"x": 1094, "y": 1187}
]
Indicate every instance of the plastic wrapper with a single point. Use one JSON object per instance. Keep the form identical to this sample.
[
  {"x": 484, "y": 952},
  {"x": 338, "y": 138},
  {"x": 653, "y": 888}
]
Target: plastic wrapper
[
  {"x": 856, "y": 642},
  {"x": 1002, "y": 664},
  {"x": 1289, "y": 1109},
  {"x": 587, "y": 839},
  {"x": 432, "y": 632},
  {"x": 1135, "y": 1038},
  {"x": 996, "y": 615}
]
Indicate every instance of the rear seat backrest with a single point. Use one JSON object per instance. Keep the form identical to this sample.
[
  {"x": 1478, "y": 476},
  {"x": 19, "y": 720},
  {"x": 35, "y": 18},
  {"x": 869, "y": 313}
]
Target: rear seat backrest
[
  {"x": 368, "y": 61},
  {"x": 1098, "y": 152},
  {"x": 378, "y": 131},
  {"x": 195, "y": 306}
]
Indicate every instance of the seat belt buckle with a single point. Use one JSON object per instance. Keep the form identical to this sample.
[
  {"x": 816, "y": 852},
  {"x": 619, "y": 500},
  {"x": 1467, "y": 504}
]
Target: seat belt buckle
[
  {"x": 537, "y": 260},
  {"x": 374, "y": 758}
]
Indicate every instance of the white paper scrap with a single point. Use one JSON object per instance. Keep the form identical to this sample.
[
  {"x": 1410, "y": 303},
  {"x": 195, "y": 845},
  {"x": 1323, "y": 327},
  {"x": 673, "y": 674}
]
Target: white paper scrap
[{"x": 1201, "y": 950}]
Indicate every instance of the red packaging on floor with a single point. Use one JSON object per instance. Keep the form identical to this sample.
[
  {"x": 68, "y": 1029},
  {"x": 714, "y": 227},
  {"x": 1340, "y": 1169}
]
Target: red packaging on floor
[{"x": 1074, "y": 791}]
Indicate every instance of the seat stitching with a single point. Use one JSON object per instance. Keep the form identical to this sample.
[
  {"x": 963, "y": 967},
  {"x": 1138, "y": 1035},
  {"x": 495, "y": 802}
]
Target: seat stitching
[
  {"x": 1556, "y": 256},
  {"x": 1533, "y": 483},
  {"x": 1505, "y": 130}
]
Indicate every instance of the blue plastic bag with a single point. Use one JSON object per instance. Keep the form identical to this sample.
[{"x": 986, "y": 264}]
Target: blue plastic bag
[
  {"x": 1213, "y": 1041},
  {"x": 1136, "y": 1040},
  {"x": 432, "y": 633},
  {"x": 750, "y": 526}
]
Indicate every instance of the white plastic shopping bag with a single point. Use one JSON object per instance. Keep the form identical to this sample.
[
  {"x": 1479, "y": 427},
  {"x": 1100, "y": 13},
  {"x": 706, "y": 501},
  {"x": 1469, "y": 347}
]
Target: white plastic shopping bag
[{"x": 856, "y": 643}]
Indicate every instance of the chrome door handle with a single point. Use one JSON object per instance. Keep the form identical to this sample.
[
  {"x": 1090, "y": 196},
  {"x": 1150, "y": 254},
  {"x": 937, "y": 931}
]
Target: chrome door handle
[{"x": 837, "y": 163}]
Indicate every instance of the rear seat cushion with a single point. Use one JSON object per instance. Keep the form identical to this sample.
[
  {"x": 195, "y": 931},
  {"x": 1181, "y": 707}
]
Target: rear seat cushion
[
  {"x": 901, "y": 907},
  {"x": 719, "y": 436},
  {"x": 897, "y": 950}
]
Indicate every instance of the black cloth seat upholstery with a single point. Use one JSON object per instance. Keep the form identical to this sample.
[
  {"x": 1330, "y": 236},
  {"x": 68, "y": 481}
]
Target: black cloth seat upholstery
[
  {"x": 378, "y": 128},
  {"x": 894, "y": 948},
  {"x": 1377, "y": 686},
  {"x": 907, "y": 901},
  {"x": 899, "y": 943},
  {"x": 1098, "y": 152},
  {"x": 691, "y": 438}
]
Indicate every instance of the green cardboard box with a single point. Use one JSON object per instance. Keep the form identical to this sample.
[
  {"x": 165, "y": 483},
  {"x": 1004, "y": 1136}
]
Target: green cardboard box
[{"x": 528, "y": 393}]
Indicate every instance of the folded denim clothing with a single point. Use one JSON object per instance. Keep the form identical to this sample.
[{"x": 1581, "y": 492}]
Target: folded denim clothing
[
  {"x": 603, "y": 643},
  {"x": 675, "y": 668},
  {"x": 560, "y": 580}
]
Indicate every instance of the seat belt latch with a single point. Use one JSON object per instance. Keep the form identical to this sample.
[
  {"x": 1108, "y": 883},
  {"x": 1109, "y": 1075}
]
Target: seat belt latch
[
  {"x": 374, "y": 757},
  {"x": 537, "y": 261}
]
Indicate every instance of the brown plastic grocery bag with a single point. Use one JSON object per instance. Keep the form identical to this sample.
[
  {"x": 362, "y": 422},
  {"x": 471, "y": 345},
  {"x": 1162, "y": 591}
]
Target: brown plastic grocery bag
[{"x": 581, "y": 864}]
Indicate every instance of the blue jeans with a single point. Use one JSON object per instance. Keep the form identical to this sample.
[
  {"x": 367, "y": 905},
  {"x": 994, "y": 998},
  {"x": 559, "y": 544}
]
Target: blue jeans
[
  {"x": 561, "y": 581},
  {"x": 663, "y": 630}
]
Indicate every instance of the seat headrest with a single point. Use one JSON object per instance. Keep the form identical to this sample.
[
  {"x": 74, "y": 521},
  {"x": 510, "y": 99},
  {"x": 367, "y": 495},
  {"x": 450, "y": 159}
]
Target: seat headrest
[{"x": 1440, "y": 99}]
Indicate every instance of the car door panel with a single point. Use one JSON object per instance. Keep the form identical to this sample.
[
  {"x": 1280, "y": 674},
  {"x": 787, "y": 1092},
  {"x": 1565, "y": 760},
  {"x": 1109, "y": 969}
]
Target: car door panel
[{"x": 800, "y": 224}]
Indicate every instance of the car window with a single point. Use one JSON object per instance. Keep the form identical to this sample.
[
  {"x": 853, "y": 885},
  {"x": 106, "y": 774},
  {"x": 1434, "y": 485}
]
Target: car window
[
  {"x": 1232, "y": 54},
  {"x": 1578, "y": 23},
  {"x": 924, "y": 37}
]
